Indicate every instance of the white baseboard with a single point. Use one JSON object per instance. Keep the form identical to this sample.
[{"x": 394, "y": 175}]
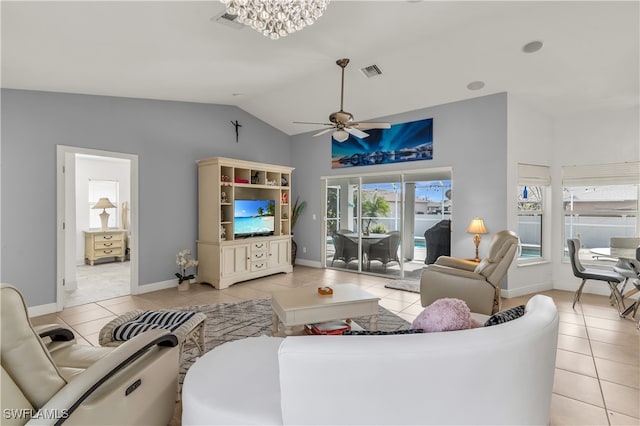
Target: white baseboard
[
  {"x": 36, "y": 311},
  {"x": 306, "y": 262},
  {"x": 160, "y": 285},
  {"x": 523, "y": 291},
  {"x": 70, "y": 284},
  {"x": 50, "y": 308},
  {"x": 591, "y": 287}
]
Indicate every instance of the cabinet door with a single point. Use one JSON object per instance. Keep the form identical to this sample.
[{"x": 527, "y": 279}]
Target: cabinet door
[
  {"x": 280, "y": 253},
  {"x": 235, "y": 260}
]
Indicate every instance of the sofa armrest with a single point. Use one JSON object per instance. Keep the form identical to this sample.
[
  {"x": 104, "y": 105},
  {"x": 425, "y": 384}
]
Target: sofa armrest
[
  {"x": 463, "y": 273},
  {"x": 71, "y": 396},
  {"x": 55, "y": 332},
  {"x": 454, "y": 262}
]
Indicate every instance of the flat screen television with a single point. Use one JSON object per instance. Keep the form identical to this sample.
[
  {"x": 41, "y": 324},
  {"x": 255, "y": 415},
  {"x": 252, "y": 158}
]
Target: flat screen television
[{"x": 253, "y": 218}]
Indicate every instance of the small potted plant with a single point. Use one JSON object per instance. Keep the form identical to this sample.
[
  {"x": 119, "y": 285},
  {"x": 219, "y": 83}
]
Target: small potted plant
[{"x": 184, "y": 264}]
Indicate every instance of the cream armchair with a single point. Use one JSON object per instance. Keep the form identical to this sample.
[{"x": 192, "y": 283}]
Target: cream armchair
[
  {"x": 478, "y": 284},
  {"x": 52, "y": 380}
]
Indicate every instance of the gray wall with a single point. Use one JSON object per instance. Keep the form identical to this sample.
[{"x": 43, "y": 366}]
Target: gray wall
[
  {"x": 167, "y": 136},
  {"x": 470, "y": 136}
]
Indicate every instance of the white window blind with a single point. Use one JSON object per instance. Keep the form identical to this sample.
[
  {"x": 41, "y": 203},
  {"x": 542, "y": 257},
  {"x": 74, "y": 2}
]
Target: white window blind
[
  {"x": 530, "y": 174},
  {"x": 602, "y": 174}
]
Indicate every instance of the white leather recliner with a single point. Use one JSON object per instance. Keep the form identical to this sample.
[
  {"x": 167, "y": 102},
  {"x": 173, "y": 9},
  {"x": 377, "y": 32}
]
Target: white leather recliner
[
  {"x": 53, "y": 380},
  {"x": 478, "y": 284}
]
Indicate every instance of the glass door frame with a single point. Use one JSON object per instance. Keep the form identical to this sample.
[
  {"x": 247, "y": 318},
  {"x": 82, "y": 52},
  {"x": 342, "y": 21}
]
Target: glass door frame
[{"x": 400, "y": 176}]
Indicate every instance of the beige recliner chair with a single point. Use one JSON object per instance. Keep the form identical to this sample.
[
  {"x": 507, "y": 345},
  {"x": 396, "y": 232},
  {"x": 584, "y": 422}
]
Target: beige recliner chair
[
  {"x": 52, "y": 380},
  {"x": 478, "y": 284}
]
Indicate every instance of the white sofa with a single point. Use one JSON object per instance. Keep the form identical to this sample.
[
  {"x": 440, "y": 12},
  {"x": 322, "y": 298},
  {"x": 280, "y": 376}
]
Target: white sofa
[{"x": 501, "y": 374}]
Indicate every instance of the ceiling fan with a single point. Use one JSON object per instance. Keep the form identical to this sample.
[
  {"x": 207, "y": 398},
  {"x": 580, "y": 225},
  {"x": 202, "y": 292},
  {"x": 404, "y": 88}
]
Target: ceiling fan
[{"x": 342, "y": 121}]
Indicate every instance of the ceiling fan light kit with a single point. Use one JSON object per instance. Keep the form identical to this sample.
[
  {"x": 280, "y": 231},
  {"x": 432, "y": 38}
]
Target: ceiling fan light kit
[
  {"x": 340, "y": 135},
  {"x": 276, "y": 18},
  {"x": 342, "y": 121}
]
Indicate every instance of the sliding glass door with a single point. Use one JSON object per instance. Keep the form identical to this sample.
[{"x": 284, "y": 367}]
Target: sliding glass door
[
  {"x": 343, "y": 248},
  {"x": 381, "y": 205},
  {"x": 376, "y": 224},
  {"x": 363, "y": 224}
]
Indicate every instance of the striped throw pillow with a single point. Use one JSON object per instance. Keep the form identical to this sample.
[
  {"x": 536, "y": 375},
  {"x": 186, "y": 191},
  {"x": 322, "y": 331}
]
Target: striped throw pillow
[{"x": 149, "y": 320}]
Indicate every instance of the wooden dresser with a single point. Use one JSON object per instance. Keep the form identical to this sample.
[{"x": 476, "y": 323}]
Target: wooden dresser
[{"x": 104, "y": 244}]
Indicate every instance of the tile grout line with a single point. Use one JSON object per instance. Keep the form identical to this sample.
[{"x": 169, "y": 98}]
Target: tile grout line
[{"x": 595, "y": 366}]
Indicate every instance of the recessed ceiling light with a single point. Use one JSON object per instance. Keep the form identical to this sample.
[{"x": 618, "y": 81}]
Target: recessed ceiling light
[
  {"x": 532, "y": 47},
  {"x": 475, "y": 85}
]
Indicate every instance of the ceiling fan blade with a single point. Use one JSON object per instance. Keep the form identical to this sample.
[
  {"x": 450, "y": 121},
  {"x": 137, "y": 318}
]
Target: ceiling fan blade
[
  {"x": 308, "y": 122},
  {"x": 355, "y": 132},
  {"x": 322, "y": 132},
  {"x": 370, "y": 125}
]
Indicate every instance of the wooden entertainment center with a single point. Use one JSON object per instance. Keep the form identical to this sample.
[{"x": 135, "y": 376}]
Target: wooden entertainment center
[{"x": 228, "y": 254}]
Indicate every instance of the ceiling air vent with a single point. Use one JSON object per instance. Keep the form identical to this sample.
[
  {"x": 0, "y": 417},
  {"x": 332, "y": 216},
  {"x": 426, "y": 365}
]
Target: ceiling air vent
[
  {"x": 229, "y": 20},
  {"x": 371, "y": 71}
]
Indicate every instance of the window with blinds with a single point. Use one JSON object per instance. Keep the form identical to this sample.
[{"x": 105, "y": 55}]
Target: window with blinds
[
  {"x": 533, "y": 185},
  {"x": 600, "y": 202}
]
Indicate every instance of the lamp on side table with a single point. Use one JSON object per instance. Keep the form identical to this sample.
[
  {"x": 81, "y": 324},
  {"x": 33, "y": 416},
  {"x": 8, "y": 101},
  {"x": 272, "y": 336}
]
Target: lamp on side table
[{"x": 477, "y": 227}]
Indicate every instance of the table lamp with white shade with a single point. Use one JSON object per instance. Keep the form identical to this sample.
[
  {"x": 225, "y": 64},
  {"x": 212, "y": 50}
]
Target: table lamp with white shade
[
  {"x": 477, "y": 227},
  {"x": 104, "y": 203}
]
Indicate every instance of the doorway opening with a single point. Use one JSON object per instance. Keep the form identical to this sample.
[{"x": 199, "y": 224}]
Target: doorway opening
[{"x": 97, "y": 215}]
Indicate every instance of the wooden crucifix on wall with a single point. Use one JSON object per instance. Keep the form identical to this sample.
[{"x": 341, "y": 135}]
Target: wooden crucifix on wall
[{"x": 237, "y": 125}]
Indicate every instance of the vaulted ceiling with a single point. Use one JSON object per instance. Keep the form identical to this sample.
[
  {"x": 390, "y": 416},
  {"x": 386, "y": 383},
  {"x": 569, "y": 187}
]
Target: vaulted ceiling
[{"x": 428, "y": 52}]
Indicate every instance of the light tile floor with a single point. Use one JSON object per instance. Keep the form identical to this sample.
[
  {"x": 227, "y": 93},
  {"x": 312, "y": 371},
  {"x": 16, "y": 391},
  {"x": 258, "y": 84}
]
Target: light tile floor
[
  {"x": 103, "y": 280},
  {"x": 597, "y": 379}
]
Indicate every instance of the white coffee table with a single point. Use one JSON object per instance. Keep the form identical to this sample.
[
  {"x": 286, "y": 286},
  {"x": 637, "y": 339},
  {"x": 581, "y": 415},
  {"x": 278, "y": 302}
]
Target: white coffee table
[{"x": 304, "y": 305}]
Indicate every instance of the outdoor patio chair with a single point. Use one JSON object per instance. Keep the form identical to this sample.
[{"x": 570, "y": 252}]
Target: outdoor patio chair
[
  {"x": 385, "y": 250},
  {"x": 346, "y": 249}
]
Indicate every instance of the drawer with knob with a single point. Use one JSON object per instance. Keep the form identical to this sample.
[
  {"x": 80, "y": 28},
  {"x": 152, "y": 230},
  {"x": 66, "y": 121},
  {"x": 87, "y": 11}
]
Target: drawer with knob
[{"x": 104, "y": 245}]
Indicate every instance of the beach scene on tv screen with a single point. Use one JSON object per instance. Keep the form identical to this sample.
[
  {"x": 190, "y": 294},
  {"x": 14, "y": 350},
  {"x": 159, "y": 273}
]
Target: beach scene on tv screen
[{"x": 254, "y": 216}]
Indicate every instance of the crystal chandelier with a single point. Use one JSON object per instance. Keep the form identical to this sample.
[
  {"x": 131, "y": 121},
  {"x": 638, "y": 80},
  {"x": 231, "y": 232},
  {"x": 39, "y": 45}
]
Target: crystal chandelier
[{"x": 276, "y": 18}]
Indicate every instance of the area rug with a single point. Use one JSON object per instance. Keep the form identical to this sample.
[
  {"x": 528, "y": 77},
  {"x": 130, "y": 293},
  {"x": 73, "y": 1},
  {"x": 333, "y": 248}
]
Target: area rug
[
  {"x": 232, "y": 321},
  {"x": 406, "y": 285}
]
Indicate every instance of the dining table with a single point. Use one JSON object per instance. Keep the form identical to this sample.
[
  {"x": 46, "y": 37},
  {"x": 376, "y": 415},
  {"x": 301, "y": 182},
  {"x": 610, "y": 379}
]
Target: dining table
[
  {"x": 617, "y": 253},
  {"x": 367, "y": 241}
]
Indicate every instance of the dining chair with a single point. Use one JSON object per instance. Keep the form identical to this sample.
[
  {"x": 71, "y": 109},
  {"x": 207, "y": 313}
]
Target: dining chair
[
  {"x": 633, "y": 308},
  {"x": 610, "y": 277},
  {"x": 636, "y": 303}
]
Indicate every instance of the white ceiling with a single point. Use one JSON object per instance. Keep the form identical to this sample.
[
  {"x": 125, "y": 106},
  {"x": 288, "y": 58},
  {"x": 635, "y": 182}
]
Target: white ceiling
[{"x": 428, "y": 52}]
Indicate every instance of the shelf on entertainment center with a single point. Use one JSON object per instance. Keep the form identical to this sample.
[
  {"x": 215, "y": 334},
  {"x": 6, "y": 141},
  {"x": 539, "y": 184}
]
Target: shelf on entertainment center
[{"x": 259, "y": 186}]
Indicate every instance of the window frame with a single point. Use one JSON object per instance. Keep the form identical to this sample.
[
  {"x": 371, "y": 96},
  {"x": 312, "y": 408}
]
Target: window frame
[
  {"x": 599, "y": 175},
  {"x": 534, "y": 175}
]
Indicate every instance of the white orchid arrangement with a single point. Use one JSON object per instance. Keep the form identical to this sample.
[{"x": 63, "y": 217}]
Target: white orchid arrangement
[{"x": 184, "y": 263}]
